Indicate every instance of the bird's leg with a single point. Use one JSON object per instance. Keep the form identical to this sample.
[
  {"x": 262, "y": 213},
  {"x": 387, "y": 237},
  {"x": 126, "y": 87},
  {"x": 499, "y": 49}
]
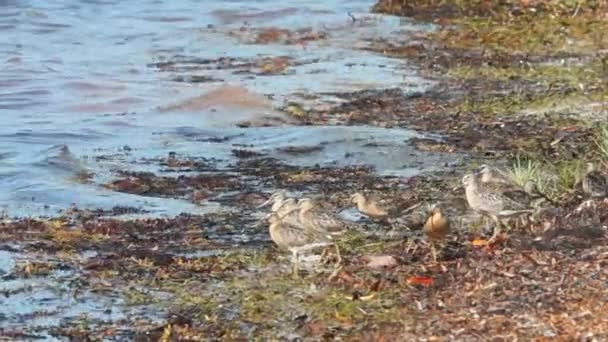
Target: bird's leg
[
  {"x": 393, "y": 226},
  {"x": 323, "y": 255},
  {"x": 296, "y": 265},
  {"x": 410, "y": 245},
  {"x": 497, "y": 230},
  {"x": 508, "y": 226},
  {"x": 338, "y": 253}
]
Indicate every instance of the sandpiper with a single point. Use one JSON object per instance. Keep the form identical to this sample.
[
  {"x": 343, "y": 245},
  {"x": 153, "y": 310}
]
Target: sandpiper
[
  {"x": 368, "y": 207},
  {"x": 496, "y": 177},
  {"x": 594, "y": 182},
  {"x": 318, "y": 220},
  {"x": 294, "y": 238},
  {"x": 284, "y": 206},
  {"x": 495, "y": 200},
  {"x": 491, "y": 174},
  {"x": 288, "y": 212},
  {"x": 276, "y": 199},
  {"x": 436, "y": 228}
]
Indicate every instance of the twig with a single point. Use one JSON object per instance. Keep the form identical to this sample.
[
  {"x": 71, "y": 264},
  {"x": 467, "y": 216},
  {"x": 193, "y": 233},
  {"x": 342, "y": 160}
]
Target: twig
[
  {"x": 411, "y": 208},
  {"x": 578, "y": 7}
]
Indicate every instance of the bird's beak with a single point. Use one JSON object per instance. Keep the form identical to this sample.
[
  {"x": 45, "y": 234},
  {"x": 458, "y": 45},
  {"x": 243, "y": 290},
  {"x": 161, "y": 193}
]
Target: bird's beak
[
  {"x": 264, "y": 204},
  {"x": 456, "y": 188}
]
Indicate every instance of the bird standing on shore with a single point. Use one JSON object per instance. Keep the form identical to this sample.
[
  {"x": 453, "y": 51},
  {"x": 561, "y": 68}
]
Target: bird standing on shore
[
  {"x": 294, "y": 238},
  {"x": 491, "y": 174},
  {"x": 496, "y": 177},
  {"x": 436, "y": 228},
  {"x": 495, "y": 200},
  {"x": 368, "y": 207},
  {"x": 320, "y": 222},
  {"x": 594, "y": 183}
]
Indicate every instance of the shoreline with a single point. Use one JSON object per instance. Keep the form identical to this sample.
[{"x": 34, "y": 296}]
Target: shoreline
[{"x": 218, "y": 277}]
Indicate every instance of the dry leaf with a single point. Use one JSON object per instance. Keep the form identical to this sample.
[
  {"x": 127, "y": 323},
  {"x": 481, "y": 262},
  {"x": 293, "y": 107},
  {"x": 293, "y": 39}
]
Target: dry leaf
[{"x": 424, "y": 281}]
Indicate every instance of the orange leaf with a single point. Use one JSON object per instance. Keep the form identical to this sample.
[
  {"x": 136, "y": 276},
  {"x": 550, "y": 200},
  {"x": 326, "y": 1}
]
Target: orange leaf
[
  {"x": 424, "y": 281},
  {"x": 479, "y": 242}
]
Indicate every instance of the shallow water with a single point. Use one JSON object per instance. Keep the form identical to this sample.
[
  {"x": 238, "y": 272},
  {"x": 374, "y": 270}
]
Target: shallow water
[
  {"x": 83, "y": 80},
  {"x": 41, "y": 303},
  {"x": 92, "y": 87}
]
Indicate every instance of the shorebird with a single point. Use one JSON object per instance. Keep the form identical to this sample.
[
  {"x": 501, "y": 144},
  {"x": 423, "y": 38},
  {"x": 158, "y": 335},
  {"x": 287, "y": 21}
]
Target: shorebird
[
  {"x": 594, "y": 183},
  {"x": 288, "y": 212},
  {"x": 294, "y": 238},
  {"x": 285, "y": 207},
  {"x": 436, "y": 228},
  {"x": 491, "y": 174},
  {"x": 276, "y": 199},
  {"x": 368, "y": 207},
  {"x": 495, "y": 200},
  {"x": 496, "y": 177},
  {"x": 320, "y": 222}
]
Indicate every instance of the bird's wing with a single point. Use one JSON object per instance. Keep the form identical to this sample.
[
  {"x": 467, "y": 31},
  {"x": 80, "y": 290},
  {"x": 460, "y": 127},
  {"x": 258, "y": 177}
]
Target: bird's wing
[
  {"x": 491, "y": 202},
  {"x": 326, "y": 222},
  {"x": 300, "y": 237},
  {"x": 378, "y": 210},
  {"x": 513, "y": 197},
  {"x": 516, "y": 199}
]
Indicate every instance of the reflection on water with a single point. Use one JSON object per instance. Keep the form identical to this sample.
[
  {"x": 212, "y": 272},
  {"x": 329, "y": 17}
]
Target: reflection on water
[{"x": 82, "y": 79}]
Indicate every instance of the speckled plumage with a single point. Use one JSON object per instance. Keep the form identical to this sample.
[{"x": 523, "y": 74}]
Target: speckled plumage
[
  {"x": 495, "y": 177},
  {"x": 288, "y": 236},
  {"x": 318, "y": 220},
  {"x": 499, "y": 199},
  {"x": 594, "y": 182},
  {"x": 294, "y": 238},
  {"x": 496, "y": 200},
  {"x": 288, "y": 212}
]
